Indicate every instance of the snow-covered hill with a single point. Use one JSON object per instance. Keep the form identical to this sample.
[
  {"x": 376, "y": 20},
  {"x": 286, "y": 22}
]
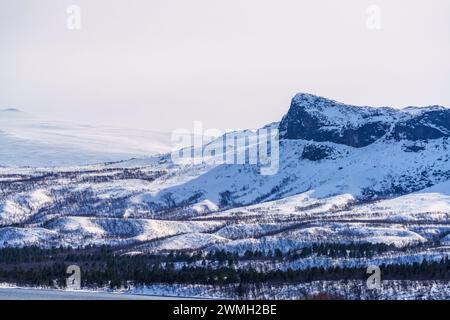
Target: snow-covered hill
[{"x": 347, "y": 174}]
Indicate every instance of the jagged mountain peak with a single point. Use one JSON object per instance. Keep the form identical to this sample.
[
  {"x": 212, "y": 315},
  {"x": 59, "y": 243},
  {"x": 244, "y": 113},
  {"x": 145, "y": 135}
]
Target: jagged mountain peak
[
  {"x": 312, "y": 117},
  {"x": 311, "y": 100}
]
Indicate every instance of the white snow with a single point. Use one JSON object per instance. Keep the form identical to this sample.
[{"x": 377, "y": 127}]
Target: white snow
[{"x": 28, "y": 140}]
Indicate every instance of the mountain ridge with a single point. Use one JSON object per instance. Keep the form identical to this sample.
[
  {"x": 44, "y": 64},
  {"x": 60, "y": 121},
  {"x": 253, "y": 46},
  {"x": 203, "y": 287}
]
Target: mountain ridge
[
  {"x": 324, "y": 191},
  {"x": 311, "y": 117}
]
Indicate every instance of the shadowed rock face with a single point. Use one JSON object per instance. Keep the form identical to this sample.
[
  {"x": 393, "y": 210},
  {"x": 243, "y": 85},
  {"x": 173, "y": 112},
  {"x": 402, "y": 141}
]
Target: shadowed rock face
[
  {"x": 432, "y": 124},
  {"x": 316, "y": 153},
  {"x": 318, "y": 119}
]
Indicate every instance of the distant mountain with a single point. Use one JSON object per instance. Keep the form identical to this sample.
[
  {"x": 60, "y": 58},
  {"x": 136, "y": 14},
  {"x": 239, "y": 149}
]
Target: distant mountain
[{"x": 9, "y": 110}]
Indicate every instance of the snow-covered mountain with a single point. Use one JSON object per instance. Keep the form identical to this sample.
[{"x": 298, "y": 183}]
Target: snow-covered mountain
[
  {"x": 347, "y": 174},
  {"x": 319, "y": 119}
]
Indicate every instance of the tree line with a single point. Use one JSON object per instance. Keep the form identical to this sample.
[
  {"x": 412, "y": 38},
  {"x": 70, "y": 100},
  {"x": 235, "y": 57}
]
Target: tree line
[{"x": 102, "y": 266}]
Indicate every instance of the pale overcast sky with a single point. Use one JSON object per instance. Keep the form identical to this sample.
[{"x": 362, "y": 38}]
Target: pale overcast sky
[{"x": 161, "y": 64}]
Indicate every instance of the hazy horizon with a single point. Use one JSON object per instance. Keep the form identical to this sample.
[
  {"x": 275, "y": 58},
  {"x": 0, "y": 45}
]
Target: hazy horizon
[{"x": 160, "y": 65}]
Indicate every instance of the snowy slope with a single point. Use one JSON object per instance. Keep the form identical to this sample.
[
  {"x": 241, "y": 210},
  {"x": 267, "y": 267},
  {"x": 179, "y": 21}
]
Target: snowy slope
[{"x": 354, "y": 174}]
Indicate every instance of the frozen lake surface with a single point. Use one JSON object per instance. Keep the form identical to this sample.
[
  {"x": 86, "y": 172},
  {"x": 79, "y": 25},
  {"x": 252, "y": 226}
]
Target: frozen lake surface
[{"x": 44, "y": 294}]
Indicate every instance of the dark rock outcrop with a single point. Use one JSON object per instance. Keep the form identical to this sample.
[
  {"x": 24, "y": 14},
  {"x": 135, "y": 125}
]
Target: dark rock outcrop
[
  {"x": 316, "y": 152},
  {"x": 318, "y": 119}
]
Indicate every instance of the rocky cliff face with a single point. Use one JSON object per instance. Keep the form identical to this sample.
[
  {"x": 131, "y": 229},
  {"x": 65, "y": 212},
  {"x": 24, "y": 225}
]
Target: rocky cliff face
[{"x": 318, "y": 119}]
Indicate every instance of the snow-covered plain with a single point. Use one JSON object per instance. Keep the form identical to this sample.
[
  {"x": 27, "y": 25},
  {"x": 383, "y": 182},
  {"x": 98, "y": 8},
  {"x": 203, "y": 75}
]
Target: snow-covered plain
[{"x": 28, "y": 140}]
